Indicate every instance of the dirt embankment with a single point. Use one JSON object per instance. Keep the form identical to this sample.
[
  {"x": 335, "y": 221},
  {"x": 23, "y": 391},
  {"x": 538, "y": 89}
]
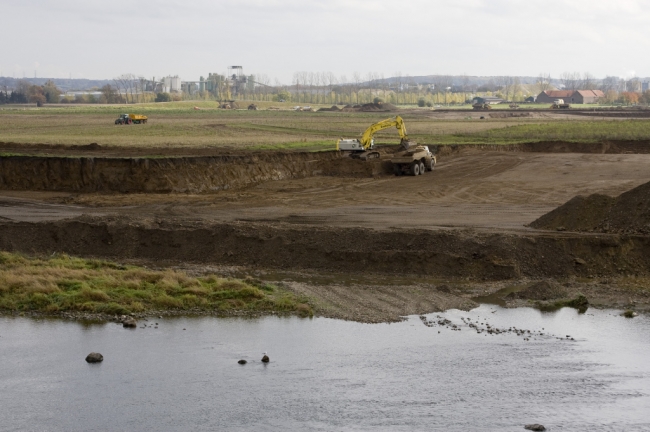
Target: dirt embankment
[
  {"x": 461, "y": 253},
  {"x": 628, "y": 213},
  {"x": 163, "y": 175},
  {"x": 604, "y": 147}
]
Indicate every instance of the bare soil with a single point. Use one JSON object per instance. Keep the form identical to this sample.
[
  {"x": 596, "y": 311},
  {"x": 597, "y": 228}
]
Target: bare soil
[
  {"x": 447, "y": 236},
  {"x": 628, "y": 213}
]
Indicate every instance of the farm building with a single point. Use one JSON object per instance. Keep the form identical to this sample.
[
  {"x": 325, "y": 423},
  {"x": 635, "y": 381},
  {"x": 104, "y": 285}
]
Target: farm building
[
  {"x": 570, "y": 96},
  {"x": 587, "y": 96},
  {"x": 490, "y": 100},
  {"x": 549, "y": 96}
]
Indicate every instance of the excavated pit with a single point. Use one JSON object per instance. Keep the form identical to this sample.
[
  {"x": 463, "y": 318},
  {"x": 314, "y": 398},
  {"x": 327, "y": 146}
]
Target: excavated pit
[
  {"x": 94, "y": 168},
  {"x": 459, "y": 253},
  {"x": 191, "y": 174}
]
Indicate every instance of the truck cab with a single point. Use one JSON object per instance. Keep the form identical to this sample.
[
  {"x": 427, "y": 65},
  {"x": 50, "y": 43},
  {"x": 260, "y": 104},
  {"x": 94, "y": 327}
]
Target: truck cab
[{"x": 123, "y": 119}]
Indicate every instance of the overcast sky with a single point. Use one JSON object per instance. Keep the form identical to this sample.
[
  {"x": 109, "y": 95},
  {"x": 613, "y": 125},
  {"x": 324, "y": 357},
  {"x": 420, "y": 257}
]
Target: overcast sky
[{"x": 103, "y": 39}]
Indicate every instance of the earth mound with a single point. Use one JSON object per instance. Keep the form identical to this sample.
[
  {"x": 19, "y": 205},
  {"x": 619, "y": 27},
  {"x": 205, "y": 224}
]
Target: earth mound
[
  {"x": 629, "y": 213},
  {"x": 370, "y": 107}
]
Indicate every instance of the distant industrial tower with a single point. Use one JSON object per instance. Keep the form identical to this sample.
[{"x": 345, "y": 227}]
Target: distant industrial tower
[{"x": 237, "y": 79}]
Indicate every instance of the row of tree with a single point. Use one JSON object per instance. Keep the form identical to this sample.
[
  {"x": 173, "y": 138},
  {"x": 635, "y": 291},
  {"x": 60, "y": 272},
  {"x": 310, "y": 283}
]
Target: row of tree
[
  {"x": 327, "y": 88},
  {"x": 26, "y": 92}
]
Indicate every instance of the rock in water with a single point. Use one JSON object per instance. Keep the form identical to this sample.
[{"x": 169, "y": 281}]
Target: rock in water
[
  {"x": 94, "y": 357},
  {"x": 535, "y": 427},
  {"x": 242, "y": 362},
  {"x": 129, "y": 323},
  {"x": 265, "y": 359}
]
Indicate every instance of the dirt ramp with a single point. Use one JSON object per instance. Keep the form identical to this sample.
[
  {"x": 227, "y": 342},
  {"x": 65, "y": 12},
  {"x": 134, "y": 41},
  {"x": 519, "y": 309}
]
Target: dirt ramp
[
  {"x": 628, "y": 213},
  {"x": 163, "y": 175}
]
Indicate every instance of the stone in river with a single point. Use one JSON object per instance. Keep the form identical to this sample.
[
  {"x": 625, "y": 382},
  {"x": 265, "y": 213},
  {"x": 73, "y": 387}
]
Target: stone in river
[{"x": 94, "y": 357}]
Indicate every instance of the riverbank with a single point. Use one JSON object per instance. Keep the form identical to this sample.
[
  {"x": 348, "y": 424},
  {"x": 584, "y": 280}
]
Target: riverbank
[
  {"x": 365, "y": 298},
  {"x": 61, "y": 285}
]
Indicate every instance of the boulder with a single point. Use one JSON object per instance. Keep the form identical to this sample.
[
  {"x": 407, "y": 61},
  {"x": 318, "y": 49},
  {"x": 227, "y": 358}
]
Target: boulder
[
  {"x": 535, "y": 427},
  {"x": 94, "y": 357},
  {"x": 129, "y": 323},
  {"x": 265, "y": 359},
  {"x": 242, "y": 362}
]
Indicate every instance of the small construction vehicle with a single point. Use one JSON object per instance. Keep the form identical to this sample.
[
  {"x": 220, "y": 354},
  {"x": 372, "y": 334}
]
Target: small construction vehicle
[
  {"x": 559, "y": 104},
  {"x": 481, "y": 107},
  {"x": 414, "y": 160},
  {"x": 125, "y": 119},
  {"x": 363, "y": 148}
]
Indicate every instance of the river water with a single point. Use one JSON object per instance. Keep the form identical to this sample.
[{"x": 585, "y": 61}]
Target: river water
[{"x": 329, "y": 374}]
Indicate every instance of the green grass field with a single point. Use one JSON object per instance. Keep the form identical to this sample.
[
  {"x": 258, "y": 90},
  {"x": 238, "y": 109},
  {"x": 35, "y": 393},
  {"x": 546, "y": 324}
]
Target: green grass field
[
  {"x": 66, "y": 284},
  {"x": 179, "y": 124}
]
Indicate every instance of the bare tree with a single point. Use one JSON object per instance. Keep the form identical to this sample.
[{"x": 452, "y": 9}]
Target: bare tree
[
  {"x": 570, "y": 80},
  {"x": 356, "y": 77},
  {"x": 609, "y": 83},
  {"x": 588, "y": 81},
  {"x": 126, "y": 84},
  {"x": 516, "y": 87},
  {"x": 543, "y": 82},
  {"x": 506, "y": 83}
]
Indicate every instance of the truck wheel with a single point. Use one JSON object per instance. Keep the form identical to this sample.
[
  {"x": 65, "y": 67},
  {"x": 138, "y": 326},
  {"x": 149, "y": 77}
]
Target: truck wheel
[
  {"x": 397, "y": 169},
  {"x": 415, "y": 169},
  {"x": 432, "y": 165},
  {"x": 129, "y": 121},
  {"x": 421, "y": 167}
]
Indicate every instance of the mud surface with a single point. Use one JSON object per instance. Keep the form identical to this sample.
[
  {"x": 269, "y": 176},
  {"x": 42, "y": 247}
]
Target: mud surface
[{"x": 447, "y": 235}]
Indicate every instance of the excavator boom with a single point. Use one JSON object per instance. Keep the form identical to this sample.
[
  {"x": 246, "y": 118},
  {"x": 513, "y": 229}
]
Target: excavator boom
[
  {"x": 362, "y": 147},
  {"x": 397, "y": 122}
]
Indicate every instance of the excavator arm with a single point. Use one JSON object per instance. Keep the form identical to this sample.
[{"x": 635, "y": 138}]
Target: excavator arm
[{"x": 397, "y": 122}]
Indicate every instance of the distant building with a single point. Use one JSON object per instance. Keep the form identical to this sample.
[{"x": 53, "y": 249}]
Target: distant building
[
  {"x": 588, "y": 96},
  {"x": 531, "y": 99},
  {"x": 171, "y": 84},
  {"x": 490, "y": 100},
  {"x": 645, "y": 86},
  {"x": 571, "y": 96},
  {"x": 550, "y": 96}
]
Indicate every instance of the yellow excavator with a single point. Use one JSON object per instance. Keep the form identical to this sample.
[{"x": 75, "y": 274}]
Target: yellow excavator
[{"x": 363, "y": 148}]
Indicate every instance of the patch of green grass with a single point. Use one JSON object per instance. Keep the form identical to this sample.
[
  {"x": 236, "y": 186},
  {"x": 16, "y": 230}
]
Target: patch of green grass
[
  {"x": 63, "y": 283},
  {"x": 571, "y": 131}
]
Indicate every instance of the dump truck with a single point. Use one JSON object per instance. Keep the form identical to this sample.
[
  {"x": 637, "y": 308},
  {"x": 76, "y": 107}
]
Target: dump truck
[
  {"x": 363, "y": 148},
  {"x": 131, "y": 118},
  {"x": 414, "y": 160},
  {"x": 559, "y": 104}
]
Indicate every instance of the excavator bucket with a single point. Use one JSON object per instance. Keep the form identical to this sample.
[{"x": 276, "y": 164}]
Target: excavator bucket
[{"x": 407, "y": 144}]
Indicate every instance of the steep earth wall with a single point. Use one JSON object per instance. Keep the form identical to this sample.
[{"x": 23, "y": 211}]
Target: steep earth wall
[
  {"x": 458, "y": 253},
  {"x": 176, "y": 174}
]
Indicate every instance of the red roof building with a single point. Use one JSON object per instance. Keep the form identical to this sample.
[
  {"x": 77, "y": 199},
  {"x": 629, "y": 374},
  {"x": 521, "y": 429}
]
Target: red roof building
[{"x": 570, "y": 96}]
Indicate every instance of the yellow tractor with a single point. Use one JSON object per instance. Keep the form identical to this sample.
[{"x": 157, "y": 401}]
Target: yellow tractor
[{"x": 363, "y": 148}]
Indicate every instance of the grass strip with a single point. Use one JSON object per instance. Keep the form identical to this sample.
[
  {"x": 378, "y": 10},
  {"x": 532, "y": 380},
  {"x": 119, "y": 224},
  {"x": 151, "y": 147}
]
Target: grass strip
[{"x": 62, "y": 283}]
